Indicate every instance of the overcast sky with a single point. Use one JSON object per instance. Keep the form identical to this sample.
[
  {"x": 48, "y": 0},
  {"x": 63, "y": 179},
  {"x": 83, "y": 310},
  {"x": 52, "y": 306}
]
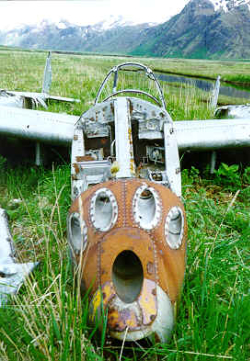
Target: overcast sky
[{"x": 84, "y": 12}]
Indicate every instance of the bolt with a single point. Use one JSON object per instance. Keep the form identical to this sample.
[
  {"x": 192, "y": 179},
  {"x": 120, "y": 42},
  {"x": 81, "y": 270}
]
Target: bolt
[{"x": 152, "y": 317}]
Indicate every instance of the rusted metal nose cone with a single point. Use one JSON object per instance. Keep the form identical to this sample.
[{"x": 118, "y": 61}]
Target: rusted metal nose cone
[
  {"x": 129, "y": 238},
  {"x": 127, "y": 276}
]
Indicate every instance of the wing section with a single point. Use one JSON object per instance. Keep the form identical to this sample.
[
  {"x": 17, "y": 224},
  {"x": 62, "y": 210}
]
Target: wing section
[
  {"x": 19, "y": 99},
  {"x": 198, "y": 135},
  {"x": 62, "y": 99},
  {"x": 195, "y": 135},
  {"x": 37, "y": 125},
  {"x": 32, "y": 99}
]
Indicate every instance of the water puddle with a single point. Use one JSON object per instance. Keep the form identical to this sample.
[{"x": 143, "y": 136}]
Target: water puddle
[{"x": 207, "y": 85}]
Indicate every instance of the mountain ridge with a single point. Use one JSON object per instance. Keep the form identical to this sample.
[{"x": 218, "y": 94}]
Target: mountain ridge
[{"x": 210, "y": 29}]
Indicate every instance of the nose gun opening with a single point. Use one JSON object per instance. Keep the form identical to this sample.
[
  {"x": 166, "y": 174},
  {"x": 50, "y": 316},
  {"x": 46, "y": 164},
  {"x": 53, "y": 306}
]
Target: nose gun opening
[{"x": 127, "y": 275}]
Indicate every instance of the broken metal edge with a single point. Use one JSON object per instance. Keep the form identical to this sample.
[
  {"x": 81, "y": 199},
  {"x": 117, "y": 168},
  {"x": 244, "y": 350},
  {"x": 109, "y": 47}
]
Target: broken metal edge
[{"x": 12, "y": 274}]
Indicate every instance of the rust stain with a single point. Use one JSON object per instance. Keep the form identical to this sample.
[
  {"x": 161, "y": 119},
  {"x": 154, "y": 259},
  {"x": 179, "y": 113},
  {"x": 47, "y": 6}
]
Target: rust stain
[
  {"x": 161, "y": 265},
  {"x": 131, "y": 107},
  {"x": 148, "y": 302},
  {"x": 112, "y": 108},
  {"x": 120, "y": 320},
  {"x": 126, "y": 239},
  {"x": 84, "y": 158},
  {"x": 77, "y": 169},
  {"x": 109, "y": 292}
]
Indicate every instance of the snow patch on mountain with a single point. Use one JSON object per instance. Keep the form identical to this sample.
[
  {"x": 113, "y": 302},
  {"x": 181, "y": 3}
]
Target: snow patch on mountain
[
  {"x": 61, "y": 25},
  {"x": 114, "y": 22},
  {"x": 227, "y": 5}
]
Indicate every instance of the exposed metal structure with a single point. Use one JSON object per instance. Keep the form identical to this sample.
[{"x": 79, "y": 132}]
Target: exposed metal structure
[
  {"x": 192, "y": 135},
  {"x": 215, "y": 94},
  {"x": 126, "y": 218},
  {"x": 12, "y": 274},
  {"x": 31, "y": 100},
  {"x": 47, "y": 76},
  {"x": 234, "y": 111}
]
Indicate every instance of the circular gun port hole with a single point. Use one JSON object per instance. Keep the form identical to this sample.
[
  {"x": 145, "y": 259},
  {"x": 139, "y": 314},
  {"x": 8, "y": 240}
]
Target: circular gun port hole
[{"x": 127, "y": 275}]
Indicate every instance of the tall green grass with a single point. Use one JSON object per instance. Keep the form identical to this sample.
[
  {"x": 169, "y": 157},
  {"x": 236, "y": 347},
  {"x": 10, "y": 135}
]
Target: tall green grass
[{"x": 48, "y": 319}]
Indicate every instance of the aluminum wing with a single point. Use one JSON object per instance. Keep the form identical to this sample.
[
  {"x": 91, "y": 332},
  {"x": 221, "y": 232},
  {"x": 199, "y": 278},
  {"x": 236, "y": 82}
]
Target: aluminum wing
[
  {"x": 37, "y": 125},
  {"x": 40, "y": 98},
  {"x": 59, "y": 128}
]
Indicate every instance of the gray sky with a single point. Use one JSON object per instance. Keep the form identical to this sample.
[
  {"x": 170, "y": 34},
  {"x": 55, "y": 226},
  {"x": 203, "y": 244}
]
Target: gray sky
[{"x": 84, "y": 12}]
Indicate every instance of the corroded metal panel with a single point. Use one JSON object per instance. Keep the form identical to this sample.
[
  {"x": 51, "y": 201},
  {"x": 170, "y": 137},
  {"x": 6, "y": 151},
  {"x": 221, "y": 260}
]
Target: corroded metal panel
[{"x": 163, "y": 267}]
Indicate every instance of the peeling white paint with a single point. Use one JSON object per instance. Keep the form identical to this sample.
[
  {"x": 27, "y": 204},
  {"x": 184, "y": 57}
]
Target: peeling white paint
[{"x": 12, "y": 274}]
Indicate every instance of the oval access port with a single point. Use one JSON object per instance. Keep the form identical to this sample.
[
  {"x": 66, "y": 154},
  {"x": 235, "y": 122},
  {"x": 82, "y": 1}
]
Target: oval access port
[
  {"x": 146, "y": 207},
  {"x": 75, "y": 232},
  {"x": 103, "y": 210},
  {"x": 174, "y": 228},
  {"x": 127, "y": 275}
]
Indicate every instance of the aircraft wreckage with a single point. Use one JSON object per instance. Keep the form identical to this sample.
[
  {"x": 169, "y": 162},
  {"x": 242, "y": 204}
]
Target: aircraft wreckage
[
  {"x": 12, "y": 274},
  {"x": 24, "y": 99},
  {"x": 127, "y": 226}
]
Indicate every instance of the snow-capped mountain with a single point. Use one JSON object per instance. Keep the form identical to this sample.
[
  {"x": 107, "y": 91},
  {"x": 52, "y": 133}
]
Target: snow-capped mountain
[
  {"x": 228, "y": 5},
  {"x": 203, "y": 29},
  {"x": 113, "y": 35},
  {"x": 115, "y": 22}
]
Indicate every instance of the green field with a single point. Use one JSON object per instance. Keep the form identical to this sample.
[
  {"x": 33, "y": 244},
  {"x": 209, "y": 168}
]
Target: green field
[{"x": 48, "y": 318}]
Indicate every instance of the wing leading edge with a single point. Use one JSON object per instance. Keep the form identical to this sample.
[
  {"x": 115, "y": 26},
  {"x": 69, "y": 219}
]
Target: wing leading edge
[{"x": 195, "y": 135}]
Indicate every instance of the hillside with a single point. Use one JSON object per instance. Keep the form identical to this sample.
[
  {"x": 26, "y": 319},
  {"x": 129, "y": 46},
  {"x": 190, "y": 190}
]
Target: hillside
[
  {"x": 210, "y": 29},
  {"x": 202, "y": 30}
]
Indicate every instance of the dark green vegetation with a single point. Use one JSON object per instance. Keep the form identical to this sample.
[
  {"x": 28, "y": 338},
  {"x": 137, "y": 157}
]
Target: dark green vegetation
[{"x": 48, "y": 319}]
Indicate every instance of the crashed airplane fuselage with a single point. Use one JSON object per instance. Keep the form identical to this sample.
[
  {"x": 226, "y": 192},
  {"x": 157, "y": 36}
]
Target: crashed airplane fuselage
[{"x": 127, "y": 225}]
